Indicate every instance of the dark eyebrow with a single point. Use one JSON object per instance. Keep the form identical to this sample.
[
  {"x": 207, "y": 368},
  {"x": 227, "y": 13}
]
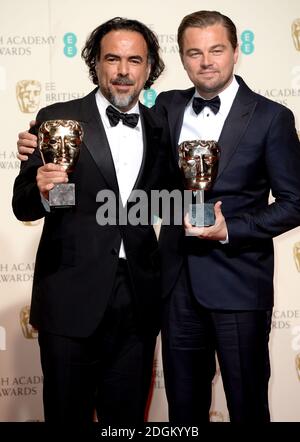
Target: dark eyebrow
[
  {"x": 219, "y": 45},
  {"x": 193, "y": 49},
  {"x": 136, "y": 57},
  {"x": 110, "y": 54}
]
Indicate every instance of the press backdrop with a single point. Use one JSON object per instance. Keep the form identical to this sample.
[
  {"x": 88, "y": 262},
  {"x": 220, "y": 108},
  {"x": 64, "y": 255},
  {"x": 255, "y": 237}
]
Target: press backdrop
[{"x": 40, "y": 63}]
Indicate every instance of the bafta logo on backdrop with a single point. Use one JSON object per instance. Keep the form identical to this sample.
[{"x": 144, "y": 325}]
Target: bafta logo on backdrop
[
  {"x": 29, "y": 332},
  {"x": 28, "y": 95},
  {"x": 296, "y": 33},
  {"x": 297, "y": 362},
  {"x": 296, "y": 253}
]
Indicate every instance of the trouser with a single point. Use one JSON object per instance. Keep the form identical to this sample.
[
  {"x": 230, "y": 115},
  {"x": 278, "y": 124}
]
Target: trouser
[
  {"x": 191, "y": 335},
  {"x": 109, "y": 371}
]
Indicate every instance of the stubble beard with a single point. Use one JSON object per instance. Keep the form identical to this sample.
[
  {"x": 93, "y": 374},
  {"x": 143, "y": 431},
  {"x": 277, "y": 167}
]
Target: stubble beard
[
  {"x": 214, "y": 88},
  {"x": 121, "y": 102}
]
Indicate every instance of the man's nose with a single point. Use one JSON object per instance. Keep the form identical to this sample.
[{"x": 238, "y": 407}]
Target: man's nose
[
  {"x": 123, "y": 68},
  {"x": 206, "y": 59}
]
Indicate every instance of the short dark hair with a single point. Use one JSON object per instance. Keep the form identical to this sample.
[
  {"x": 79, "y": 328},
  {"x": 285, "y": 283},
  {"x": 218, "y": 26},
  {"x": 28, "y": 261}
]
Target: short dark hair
[
  {"x": 91, "y": 51},
  {"x": 202, "y": 19}
]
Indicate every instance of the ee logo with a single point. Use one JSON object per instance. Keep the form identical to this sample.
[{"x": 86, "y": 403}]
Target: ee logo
[
  {"x": 247, "y": 46},
  {"x": 149, "y": 97},
  {"x": 70, "y": 41}
]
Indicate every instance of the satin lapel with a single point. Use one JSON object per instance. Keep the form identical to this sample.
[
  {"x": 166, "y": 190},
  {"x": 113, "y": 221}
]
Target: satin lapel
[
  {"x": 175, "y": 115},
  {"x": 96, "y": 141},
  {"x": 151, "y": 140},
  {"x": 235, "y": 124}
]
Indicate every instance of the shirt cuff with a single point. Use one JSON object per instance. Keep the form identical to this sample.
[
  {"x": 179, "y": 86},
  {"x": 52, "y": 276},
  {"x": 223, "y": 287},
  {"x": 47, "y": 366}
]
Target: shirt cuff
[{"x": 225, "y": 241}]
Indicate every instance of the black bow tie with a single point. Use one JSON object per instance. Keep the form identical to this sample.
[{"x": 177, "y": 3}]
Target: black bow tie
[
  {"x": 200, "y": 103},
  {"x": 115, "y": 116}
]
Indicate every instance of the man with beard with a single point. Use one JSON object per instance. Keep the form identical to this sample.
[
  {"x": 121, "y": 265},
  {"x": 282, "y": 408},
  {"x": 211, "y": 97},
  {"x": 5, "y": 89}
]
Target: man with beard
[{"x": 96, "y": 290}]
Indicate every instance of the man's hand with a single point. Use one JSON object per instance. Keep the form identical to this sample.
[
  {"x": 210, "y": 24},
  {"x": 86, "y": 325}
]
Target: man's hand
[
  {"x": 26, "y": 144},
  {"x": 217, "y": 232},
  {"x": 49, "y": 175}
]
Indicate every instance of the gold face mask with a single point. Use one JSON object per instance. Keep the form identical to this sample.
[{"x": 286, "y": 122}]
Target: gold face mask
[
  {"x": 59, "y": 142},
  {"x": 198, "y": 161}
]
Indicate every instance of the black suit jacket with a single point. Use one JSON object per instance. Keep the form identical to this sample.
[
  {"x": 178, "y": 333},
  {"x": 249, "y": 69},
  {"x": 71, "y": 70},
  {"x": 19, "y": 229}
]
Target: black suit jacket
[
  {"x": 77, "y": 259},
  {"x": 260, "y": 151}
]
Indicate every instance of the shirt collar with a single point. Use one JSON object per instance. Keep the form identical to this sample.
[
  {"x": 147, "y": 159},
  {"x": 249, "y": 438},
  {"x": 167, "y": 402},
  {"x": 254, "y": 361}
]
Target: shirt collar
[{"x": 226, "y": 97}]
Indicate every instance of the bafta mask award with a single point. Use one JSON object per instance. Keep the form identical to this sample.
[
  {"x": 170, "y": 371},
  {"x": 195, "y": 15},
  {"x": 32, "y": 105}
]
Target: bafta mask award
[
  {"x": 59, "y": 143},
  {"x": 198, "y": 161}
]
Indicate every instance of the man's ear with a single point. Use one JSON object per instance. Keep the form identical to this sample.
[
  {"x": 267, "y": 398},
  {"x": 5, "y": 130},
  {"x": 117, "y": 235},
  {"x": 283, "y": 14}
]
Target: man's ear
[{"x": 236, "y": 53}]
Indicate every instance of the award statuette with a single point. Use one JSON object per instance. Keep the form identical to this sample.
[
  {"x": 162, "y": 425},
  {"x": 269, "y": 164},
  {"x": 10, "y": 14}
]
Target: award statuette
[
  {"x": 59, "y": 143},
  {"x": 198, "y": 161}
]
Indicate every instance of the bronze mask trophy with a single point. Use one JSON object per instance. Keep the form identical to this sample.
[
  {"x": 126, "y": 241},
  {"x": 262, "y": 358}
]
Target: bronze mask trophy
[
  {"x": 198, "y": 161},
  {"x": 59, "y": 143}
]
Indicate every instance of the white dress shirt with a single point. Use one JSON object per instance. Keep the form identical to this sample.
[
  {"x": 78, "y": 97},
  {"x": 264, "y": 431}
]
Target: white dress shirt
[
  {"x": 126, "y": 145},
  {"x": 207, "y": 125}
]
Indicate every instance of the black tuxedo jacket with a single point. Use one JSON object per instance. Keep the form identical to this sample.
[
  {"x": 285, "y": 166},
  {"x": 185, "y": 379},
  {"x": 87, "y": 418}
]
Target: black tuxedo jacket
[
  {"x": 77, "y": 259},
  {"x": 260, "y": 151}
]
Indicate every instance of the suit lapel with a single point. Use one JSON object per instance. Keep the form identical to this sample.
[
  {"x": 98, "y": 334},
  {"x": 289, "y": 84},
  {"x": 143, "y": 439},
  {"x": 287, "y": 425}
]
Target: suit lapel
[
  {"x": 151, "y": 141},
  {"x": 96, "y": 141},
  {"x": 176, "y": 113},
  {"x": 235, "y": 124}
]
